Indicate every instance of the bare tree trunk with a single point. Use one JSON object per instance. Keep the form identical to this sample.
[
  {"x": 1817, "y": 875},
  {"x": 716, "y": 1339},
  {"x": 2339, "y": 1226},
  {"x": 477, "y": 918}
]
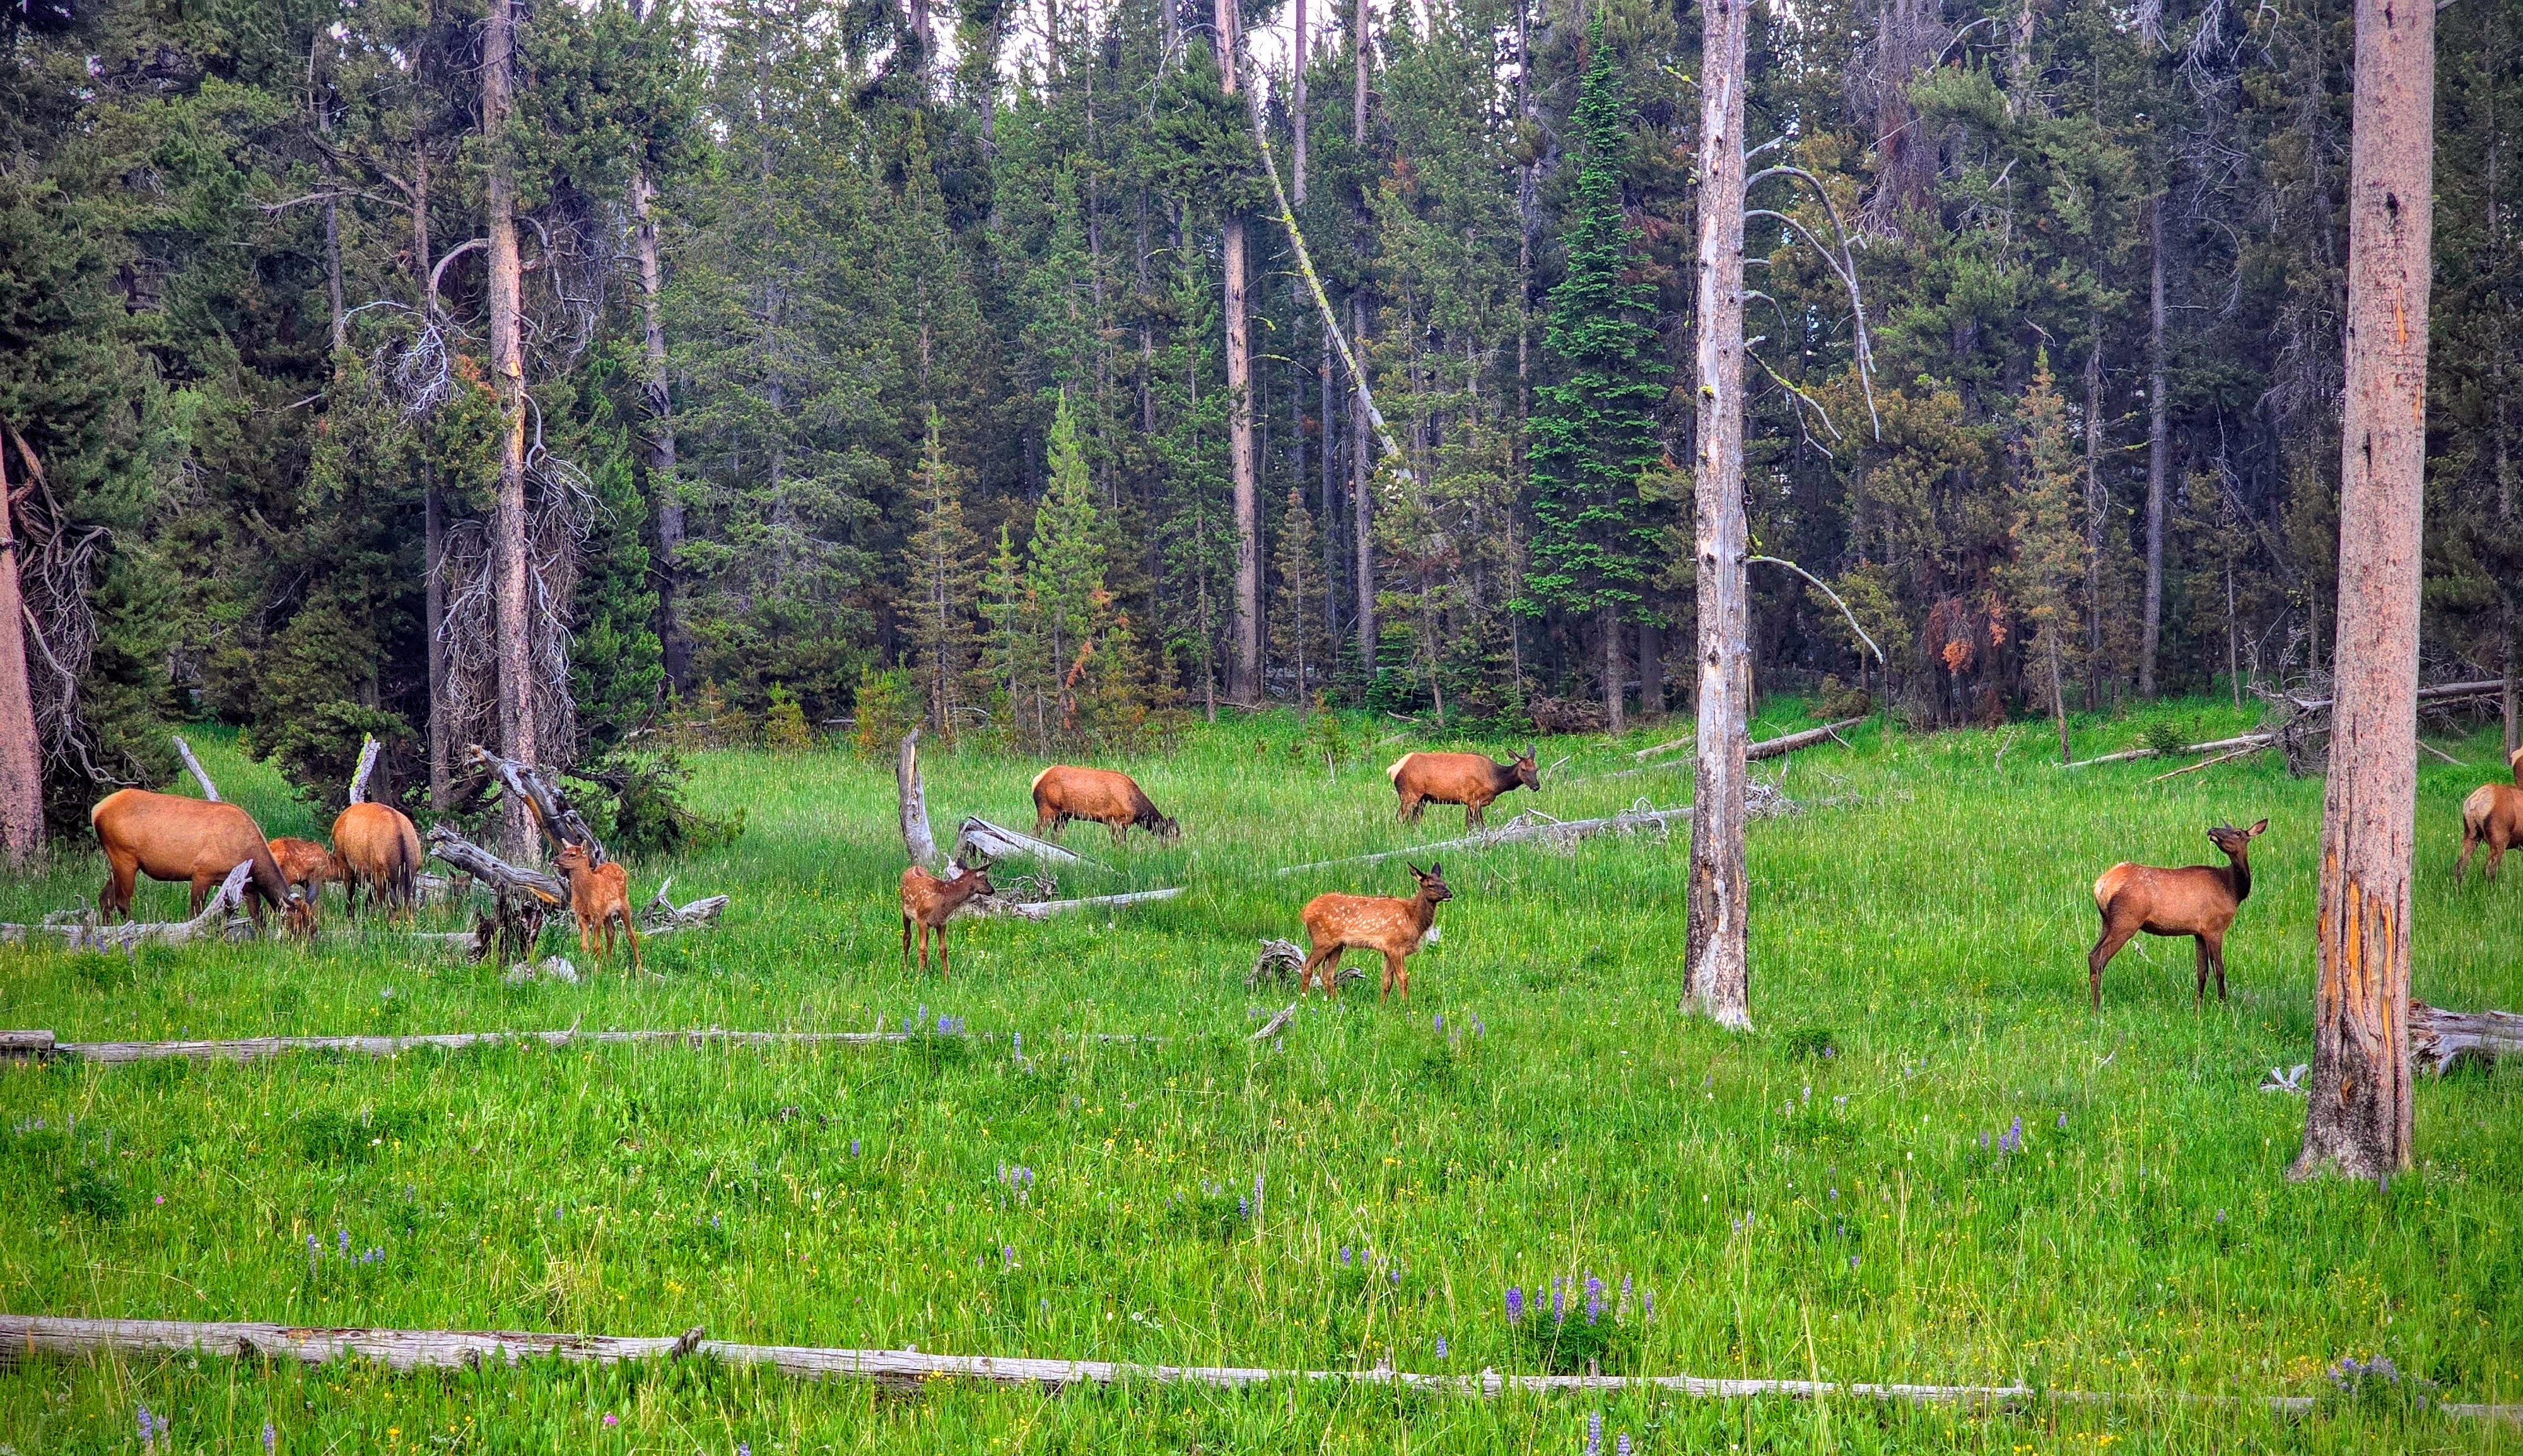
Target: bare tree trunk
[
  {"x": 2058, "y": 695},
  {"x": 1651, "y": 670},
  {"x": 1244, "y": 615},
  {"x": 433, "y": 513},
  {"x": 21, "y": 758},
  {"x": 1361, "y": 452},
  {"x": 1297, "y": 108},
  {"x": 509, "y": 566},
  {"x": 676, "y": 648},
  {"x": 2097, "y": 507},
  {"x": 2357, "y": 1113},
  {"x": 1719, "y": 964},
  {"x": 1614, "y": 721},
  {"x": 2158, "y": 447}
]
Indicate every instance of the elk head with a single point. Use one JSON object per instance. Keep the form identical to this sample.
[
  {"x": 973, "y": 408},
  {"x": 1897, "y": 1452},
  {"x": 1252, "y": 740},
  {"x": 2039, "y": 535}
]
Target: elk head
[
  {"x": 2234, "y": 842},
  {"x": 299, "y": 914},
  {"x": 975, "y": 874},
  {"x": 1525, "y": 773},
  {"x": 1432, "y": 881}
]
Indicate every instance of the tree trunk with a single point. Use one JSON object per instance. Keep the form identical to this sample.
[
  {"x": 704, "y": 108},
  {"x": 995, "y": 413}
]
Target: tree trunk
[
  {"x": 2097, "y": 508},
  {"x": 1651, "y": 670},
  {"x": 2058, "y": 696},
  {"x": 2158, "y": 446},
  {"x": 1297, "y": 108},
  {"x": 433, "y": 513},
  {"x": 1244, "y": 616},
  {"x": 1719, "y": 969},
  {"x": 2357, "y": 1113},
  {"x": 1613, "y": 719},
  {"x": 1361, "y": 452},
  {"x": 21, "y": 758},
  {"x": 510, "y": 565},
  {"x": 660, "y": 437}
]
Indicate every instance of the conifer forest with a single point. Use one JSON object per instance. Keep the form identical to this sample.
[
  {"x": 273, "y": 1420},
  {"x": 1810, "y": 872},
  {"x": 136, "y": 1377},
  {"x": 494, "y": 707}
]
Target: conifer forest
[{"x": 539, "y": 372}]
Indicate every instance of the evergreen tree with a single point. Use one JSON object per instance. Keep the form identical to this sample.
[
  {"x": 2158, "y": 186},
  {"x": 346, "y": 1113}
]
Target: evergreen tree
[
  {"x": 943, "y": 574},
  {"x": 1064, "y": 571},
  {"x": 1296, "y": 636},
  {"x": 2049, "y": 566},
  {"x": 1593, "y": 427}
]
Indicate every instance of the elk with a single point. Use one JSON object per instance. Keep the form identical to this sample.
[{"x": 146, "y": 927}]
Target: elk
[
  {"x": 2198, "y": 901},
  {"x": 1113, "y": 800},
  {"x": 307, "y": 867},
  {"x": 379, "y": 850},
  {"x": 928, "y": 902},
  {"x": 170, "y": 837},
  {"x": 1373, "y": 922},
  {"x": 2494, "y": 813},
  {"x": 598, "y": 896},
  {"x": 1471, "y": 779}
]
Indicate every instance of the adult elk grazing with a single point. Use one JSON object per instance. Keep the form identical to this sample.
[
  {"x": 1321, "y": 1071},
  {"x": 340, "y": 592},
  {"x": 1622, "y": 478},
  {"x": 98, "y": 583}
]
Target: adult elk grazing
[
  {"x": 928, "y": 902},
  {"x": 1471, "y": 779},
  {"x": 1113, "y": 800},
  {"x": 380, "y": 852},
  {"x": 1373, "y": 922},
  {"x": 2493, "y": 813},
  {"x": 2198, "y": 901},
  {"x": 598, "y": 896},
  {"x": 306, "y": 866},
  {"x": 170, "y": 837}
]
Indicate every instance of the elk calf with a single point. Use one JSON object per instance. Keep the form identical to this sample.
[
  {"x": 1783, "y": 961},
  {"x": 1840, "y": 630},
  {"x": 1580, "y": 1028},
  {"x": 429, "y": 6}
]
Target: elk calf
[
  {"x": 1471, "y": 779},
  {"x": 2493, "y": 815},
  {"x": 1063, "y": 792},
  {"x": 928, "y": 902},
  {"x": 306, "y": 866},
  {"x": 2198, "y": 901},
  {"x": 1373, "y": 922},
  {"x": 598, "y": 896},
  {"x": 170, "y": 837},
  {"x": 380, "y": 852}
]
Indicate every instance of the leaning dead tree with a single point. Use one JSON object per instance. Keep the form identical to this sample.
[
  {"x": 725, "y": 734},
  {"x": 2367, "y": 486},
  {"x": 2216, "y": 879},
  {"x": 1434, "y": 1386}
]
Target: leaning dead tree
[
  {"x": 546, "y": 804},
  {"x": 53, "y": 564},
  {"x": 368, "y": 748},
  {"x": 200, "y": 775}
]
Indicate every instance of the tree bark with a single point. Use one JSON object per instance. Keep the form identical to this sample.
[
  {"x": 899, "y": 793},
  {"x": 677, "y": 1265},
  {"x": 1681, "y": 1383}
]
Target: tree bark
[
  {"x": 21, "y": 758},
  {"x": 669, "y": 501},
  {"x": 1244, "y": 616},
  {"x": 433, "y": 516},
  {"x": 1717, "y": 947},
  {"x": 1651, "y": 670},
  {"x": 2357, "y": 1111},
  {"x": 510, "y": 569},
  {"x": 1297, "y": 108},
  {"x": 1362, "y": 444},
  {"x": 1614, "y": 721},
  {"x": 2158, "y": 447},
  {"x": 2097, "y": 507}
]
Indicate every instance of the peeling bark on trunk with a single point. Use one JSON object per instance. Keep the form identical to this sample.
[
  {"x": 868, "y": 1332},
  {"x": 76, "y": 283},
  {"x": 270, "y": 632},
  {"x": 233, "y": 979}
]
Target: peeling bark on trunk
[
  {"x": 21, "y": 758},
  {"x": 1717, "y": 947},
  {"x": 2097, "y": 508},
  {"x": 1361, "y": 443},
  {"x": 660, "y": 437},
  {"x": 510, "y": 569},
  {"x": 2157, "y": 448},
  {"x": 2357, "y": 1111},
  {"x": 1244, "y": 615},
  {"x": 1614, "y": 721}
]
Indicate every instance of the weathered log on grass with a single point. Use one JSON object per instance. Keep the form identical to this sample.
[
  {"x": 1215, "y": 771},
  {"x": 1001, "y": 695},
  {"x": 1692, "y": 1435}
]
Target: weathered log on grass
[
  {"x": 978, "y": 835},
  {"x": 1279, "y": 962},
  {"x": 2439, "y": 1038},
  {"x": 1526, "y": 826},
  {"x": 81, "y": 935},
  {"x": 502, "y": 877},
  {"x": 1044, "y": 909},
  {"x": 402, "y": 1350},
  {"x": 2245, "y": 742},
  {"x": 560, "y": 823},
  {"x": 1790, "y": 742},
  {"x": 41, "y": 1044}
]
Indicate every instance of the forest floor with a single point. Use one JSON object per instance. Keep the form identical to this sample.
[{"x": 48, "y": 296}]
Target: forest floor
[{"x": 1832, "y": 1194}]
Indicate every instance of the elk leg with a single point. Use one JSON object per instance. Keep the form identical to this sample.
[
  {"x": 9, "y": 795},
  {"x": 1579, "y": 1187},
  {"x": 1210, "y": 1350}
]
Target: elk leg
[
  {"x": 114, "y": 901},
  {"x": 1475, "y": 816},
  {"x": 1322, "y": 965},
  {"x": 2461, "y": 866},
  {"x": 2114, "y": 937},
  {"x": 2496, "y": 854},
  {"x": 1410, "y": 805},
  {"x": 1394, "y": 971},
  {"x": 631, "y": 933},
  {"x": 942, "y": 952},
  {"x": 2199, "y": 945},
  {"x": 2217, "y": 959},
  {"x": 1121, "y": 832}
]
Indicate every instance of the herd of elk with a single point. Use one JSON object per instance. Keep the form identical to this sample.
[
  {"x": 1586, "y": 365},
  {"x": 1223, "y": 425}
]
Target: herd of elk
[
  {"x": 173, "y": 838},
  {"x": 928, "y": 902},
  {"x": 1471, "y": 779},
  {"x": 1114, "y": 800},
  {"x": 598, "y": 896},
  {"x": 2198, "y": 901},
  {"x": 1373, "y": 922},
  {"x": 2493, "y": 815}
]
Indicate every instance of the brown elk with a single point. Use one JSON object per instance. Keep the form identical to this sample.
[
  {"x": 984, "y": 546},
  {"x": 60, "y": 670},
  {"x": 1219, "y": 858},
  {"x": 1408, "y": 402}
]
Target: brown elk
[
  {"x": 1113, "y": 800},
  {"x": 1471, "y": 779},
  {"x": 2198, "y": 901},
  {"x": 2494, "y": 815},
  {"x": 928, "y": 902},
  {"x": 379, "y": 851},
  {"x": 170, "y": 837},
  {"x": 1373, "y": 922},
  {"x": 307, "y": 867},
  {"x": 598, "y": 896}
]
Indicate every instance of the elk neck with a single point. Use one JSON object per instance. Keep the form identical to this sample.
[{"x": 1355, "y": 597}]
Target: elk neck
[{"x": 2238, "y": 874}]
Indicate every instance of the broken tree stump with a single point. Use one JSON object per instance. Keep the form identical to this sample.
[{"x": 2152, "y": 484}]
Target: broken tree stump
[
  {"x": 2439, "y": 1038},
  {"x": 560, "y": 823}
]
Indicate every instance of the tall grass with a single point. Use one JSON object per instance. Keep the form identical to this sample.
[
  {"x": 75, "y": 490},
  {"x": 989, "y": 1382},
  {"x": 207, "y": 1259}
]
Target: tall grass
[{"x": 1929, "y": 1164}]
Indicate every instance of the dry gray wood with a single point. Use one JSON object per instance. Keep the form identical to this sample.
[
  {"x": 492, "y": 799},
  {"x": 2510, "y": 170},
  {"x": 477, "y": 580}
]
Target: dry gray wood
[
  {"x": 29, "y": 1335},
  {"x": 82, "y": 935},
  {"x": 913, "y": 801},
  {"x": 1275, "y": 1024},
  {"x": 200, "y": 775},
  {"x": 1668, "y": 746},
  {"x": 978, "y": 835},
  {"x": 491, "y": 869},
  {"x": 260, "y": 1048},
  {"x": 2216, "y": 745},
  {"x": 1044, "y": 908},
  {"x": 2245, "y": 751},
  {"x": 1527, "y": 826},
  {"x": 2440, "y": 1038},
  {"x": 560, "y": 823},
  {"x": 20, "y": 1044},
  {"x": 1790, "y": 742},
  {"x": 369, "y": 746}
]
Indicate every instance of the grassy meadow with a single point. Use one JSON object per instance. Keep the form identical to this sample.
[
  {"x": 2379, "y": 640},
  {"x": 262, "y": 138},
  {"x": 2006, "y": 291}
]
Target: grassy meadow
[{"x": 1929, "y": 1163}]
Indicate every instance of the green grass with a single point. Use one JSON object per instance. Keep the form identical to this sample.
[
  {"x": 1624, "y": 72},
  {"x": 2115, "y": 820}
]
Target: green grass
[{"x": 1791, "y": 1212}]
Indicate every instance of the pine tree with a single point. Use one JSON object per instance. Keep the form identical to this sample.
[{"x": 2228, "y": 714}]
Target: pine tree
[
  {"x": 1296, "y": 638},
  {"x": 1065, "y": 568},
  {"x": 943, "y": 573},
  {"x": 1593, "y": 429},
  {"x": 2049, "y": 566},
  {"x": 1007, "y": 656}
]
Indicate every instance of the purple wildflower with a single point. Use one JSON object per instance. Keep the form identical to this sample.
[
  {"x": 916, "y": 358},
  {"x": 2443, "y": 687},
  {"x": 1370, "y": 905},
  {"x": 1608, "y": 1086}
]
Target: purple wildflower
[
  {"x": 2013, "y": 1138},
  {"x": 1649, "y": 1296},
  {"x": 854, "y": 1147},
  {"x": 1344, "y": 1253},
  {"x": 1621, "y": 1442},
  {"x": 341, "y": 1240},
  {"x": 1441, "y": 1021},
  {"x": 1478, "y": 1029},
  {"x": 1396, "y": 1279},
  {"x": 1984, "y": 1142},
  {"x": 1441, "y": 1346},
  {"x": 2063, "y": 1122},
  {"x": 1257, "y": 1193},
  {"x": 149, "y": 1433},
  {"x": 1019, "y": 1044},
  {"x": 314, "y": 1250},
  {"x": 1558, "y": 1300},
  {"x": 611, "y": 1419},
  {"x": 1593, "y": 1298},
  {"x": 271, "y": 1437},
  {"x": 1594, "y": 1433},
  {"x": 2220, "y": 1215},
  {"x": 1514, "y": 1305},
  {"x": 1852, "y": 1262},
  {"x": 741, "y": 1449}
]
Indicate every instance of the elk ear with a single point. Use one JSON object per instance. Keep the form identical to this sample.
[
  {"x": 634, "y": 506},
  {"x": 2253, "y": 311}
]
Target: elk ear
[
  {"x": 2256, "y": 830},
  {"x": 1436, "y": 869},
  {"x": 1415, "y": 872}
]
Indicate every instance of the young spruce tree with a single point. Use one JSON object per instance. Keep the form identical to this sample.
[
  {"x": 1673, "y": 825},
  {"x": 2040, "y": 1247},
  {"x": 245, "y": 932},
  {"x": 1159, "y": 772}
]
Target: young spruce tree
[{"x": 943, "y": 568}]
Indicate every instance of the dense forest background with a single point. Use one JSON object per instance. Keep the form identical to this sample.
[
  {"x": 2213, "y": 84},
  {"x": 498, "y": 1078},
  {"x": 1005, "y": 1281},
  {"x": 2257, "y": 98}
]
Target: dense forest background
[{"x": 877, "y": 368}]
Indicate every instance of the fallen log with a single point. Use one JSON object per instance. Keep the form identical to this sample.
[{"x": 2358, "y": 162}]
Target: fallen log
[
  {"x": 200, "y": 775},
  {"x": 2245, "y": 751},
  {"x": 661, "y": 916},
  {"x": 404, "y": 1350},
  {"x": 978, "y": 835},
  {"x": 1528, "y": 826},
  {"x": 1044, "y": 909},
  {"x": 1790, "y": 742},
  {"x": 82, "y": 935},
  {"x": 2216, "y": 745},
  {"x": 1668, "y": 746},
  {"x": 1276, "y": 1024},
  {"x": 42, "y": 1044},
  {"x": 2439, "y": 1038},
  {"x": 560, "y": 823},
  {"x": 502, "y": 877}
]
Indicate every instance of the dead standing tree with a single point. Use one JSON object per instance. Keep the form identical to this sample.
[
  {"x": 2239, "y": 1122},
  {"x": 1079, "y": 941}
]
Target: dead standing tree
[{"x": 2359, "y": 1103}]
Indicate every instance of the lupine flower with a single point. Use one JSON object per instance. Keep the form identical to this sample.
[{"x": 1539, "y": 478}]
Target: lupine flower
[
  {"x": 1514, "y": 1305},
  {"x": 1243, "y": 1207},
  {"x": 1441, "y": 1346},
  {"x": 314, "y": 1250},
  {"x": 1018, "y": 1044},
  {"x": 1650, "y": 1298},
  {"x": 2013, "y": 1138},
  {"x": 1594, "y": 1433},
  {"x": 854, "y": 1147},
  {"x": 149, "y": 1433},
  {"x": 1396, "y": 1279},
  {"x": 1593, "y": 1298},
  {"x": 1558, "y": 1300},
  {"x": 741, "y": 1449},
  {"x": 1621, "y": 1443},
  {"x": 1344, "y": 1253},
  {"x": 1478, "y": 1029},
  {"x": 2063, "y": 1122},
  {"x": 2220, "y": 1215},
  {"x": 1441, "y": 1021},
  {"x": 1257, "y": 1193},
  {"x": 1984, "y": 1142},
  {"x": 341, "y": 1240},
  {"x": 1852, "y": 1262},
  {"x": 1834, "y": 1196},
  {"x": 271, "y": 1437}
]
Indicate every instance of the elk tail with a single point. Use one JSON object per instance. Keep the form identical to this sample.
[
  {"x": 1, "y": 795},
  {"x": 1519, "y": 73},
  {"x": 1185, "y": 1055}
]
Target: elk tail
[
  {"x": 1393, "y": 770},
  {"x": 2476, "y": 809},
  {"x": 1038, "y": 778}
]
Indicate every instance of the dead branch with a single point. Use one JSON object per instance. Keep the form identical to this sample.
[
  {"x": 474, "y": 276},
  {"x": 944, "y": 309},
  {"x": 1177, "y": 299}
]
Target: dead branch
[
  {"x": 200, "y": 775},
  {"x": 2247, "y": 741},
  {"x": 1825, "y": 588},
  {"x": 369, "y": 746},
  {"x": 1047, "y": 908},
  {"x": 1790, "y": 742},
  {"x": 913, "y": 801},
  {"x": 82, "y": 935},
  {"x": 663, "y": 915},
  {"x": 1685, "y": 742},
  {"x": 1277, "y": 1022},
  {"x": 503, "y": 877},
  {"x": 2438, "y": 1039},
  {"x": 1528, "y": 826},
  {"x": 2246, "y": 751},
  {"x": 563, "y": 825},
  {"x": 980, "y": 836}
]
